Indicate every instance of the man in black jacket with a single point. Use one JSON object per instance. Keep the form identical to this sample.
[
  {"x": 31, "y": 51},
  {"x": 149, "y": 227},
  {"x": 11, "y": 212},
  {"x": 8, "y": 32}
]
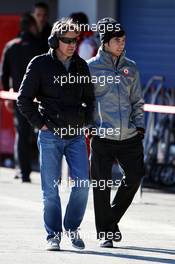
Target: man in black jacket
[
  {"x": 16, "y": 55},
  {"x": 66, "y": 105},
  {"x": 41, "y": 15}
]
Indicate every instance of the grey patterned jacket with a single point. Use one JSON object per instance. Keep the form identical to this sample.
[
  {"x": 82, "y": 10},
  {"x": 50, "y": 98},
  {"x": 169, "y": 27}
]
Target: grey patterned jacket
[{"x": 119, "y": 103}]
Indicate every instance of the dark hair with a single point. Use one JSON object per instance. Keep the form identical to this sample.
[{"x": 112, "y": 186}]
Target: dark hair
[
  {"x": 79, "y": 18},
  {"x": 41, "y": 5},
  {"x": 62, "y": 26},
  {"x": 26, "y": 21}
]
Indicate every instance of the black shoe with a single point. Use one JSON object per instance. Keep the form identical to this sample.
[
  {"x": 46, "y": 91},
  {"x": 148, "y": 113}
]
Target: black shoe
[
  {"x": 106, "y": 243},
  {"x": 77, "y": 242},
  {"x": 17, "y": 174},
  {"x": 27, "y": 180},
  {"x": 117, "y": 235},
  {"x": 16, "y": 177}
]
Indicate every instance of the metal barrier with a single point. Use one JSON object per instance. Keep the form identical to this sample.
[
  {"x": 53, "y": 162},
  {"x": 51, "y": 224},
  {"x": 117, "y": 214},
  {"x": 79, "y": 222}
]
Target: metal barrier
[{"x": 150, "y": 108}]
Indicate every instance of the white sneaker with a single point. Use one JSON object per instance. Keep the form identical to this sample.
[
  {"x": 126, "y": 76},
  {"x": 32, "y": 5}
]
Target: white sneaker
[{"x": 53, "y": 244}]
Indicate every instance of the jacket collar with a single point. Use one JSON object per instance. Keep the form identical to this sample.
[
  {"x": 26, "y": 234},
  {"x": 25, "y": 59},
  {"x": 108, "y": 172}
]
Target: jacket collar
[
  {"x": 52, "y": 53},
  {"x": 73, "y": 60},
  {"x": 107, "y": 60}
]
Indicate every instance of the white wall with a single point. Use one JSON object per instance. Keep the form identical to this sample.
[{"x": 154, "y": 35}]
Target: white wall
[{"x": 66, "y": 7}]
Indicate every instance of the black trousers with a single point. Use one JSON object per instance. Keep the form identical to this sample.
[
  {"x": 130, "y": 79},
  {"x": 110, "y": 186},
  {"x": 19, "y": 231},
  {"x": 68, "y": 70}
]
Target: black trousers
[
  {"x": 129, "y": 154},
  {"x": 22, "y": 147}
]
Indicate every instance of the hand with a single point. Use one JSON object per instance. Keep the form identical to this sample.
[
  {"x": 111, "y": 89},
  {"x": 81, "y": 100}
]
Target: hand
[
  {"x": 44, "y": 128},
  {"x": 141, "y": 134},
  {"x": 9, "y": 104}
]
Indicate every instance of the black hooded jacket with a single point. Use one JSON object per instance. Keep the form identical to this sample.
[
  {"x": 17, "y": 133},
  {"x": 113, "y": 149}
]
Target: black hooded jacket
[
  {"x": 16, "y": 56},
  {"x": 60, "y": 104}
]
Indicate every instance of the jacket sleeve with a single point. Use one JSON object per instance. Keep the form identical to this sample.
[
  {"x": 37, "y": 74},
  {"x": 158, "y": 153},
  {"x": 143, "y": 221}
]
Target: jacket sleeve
[
  {"x": 5, "y": 70},
  {"x": 89, "y": 99},
  {"x": 28, "y": 91},
  {"x": 137, "y": 102}
]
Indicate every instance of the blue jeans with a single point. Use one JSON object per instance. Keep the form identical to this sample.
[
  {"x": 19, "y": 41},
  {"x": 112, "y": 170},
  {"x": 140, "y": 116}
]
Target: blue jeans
[{"x": 52, "y": 148}]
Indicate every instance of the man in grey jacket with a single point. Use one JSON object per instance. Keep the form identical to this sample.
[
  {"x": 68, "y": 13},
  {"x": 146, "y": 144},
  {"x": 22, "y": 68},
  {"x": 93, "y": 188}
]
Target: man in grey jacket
[{"x": 119, "y": 124}]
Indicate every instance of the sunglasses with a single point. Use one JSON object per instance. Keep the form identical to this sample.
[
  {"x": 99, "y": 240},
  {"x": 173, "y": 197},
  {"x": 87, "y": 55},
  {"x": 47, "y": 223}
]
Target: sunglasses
[{"x": 69, "y": 40}]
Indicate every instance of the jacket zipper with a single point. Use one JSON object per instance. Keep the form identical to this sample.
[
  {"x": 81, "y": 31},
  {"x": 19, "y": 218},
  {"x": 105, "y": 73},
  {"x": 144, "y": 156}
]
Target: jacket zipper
[
  {"x": 100, "y": 115},
  {"x": 119, "y": 99}
]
